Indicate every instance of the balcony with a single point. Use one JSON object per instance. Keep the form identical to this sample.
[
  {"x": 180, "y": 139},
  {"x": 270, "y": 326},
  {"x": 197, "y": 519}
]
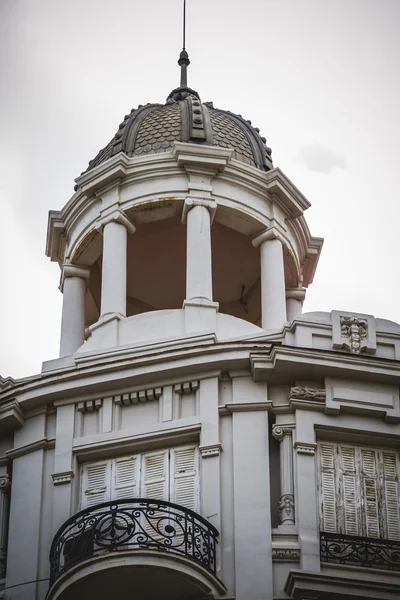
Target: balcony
[
  {"x": 360, "y": 551},
  {"x": 153, "y": 545}
]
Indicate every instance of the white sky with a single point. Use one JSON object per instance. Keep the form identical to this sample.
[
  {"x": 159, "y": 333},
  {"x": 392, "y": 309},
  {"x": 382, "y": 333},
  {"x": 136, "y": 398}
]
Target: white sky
[{"x": 320, "y": 78}]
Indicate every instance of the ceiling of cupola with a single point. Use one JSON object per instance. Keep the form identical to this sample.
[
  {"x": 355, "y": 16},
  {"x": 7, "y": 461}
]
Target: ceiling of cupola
[{"x": 153, "y": 128}]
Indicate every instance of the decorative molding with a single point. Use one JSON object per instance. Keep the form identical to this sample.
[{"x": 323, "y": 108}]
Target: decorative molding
[
  {"x": 312, "y": 584},
  {"x": 279, "y": 431},
  {"x": 89, "y": 406},
  {"x": 209, "y": 158},
  {"x": 43, "y": 444},
  {"x": 62, "y": 477},
  {"x": 69, "y": 270},
  {"x": 5, "y": 484},
  {"x": 114, "y": 214},
  {"x": 272, "y": 233},
  {"x": 306, "y": 393},
  {"x": 12, "y": 415},
  {"x": 6, "y": 382},
  {"x": 209, "y": 451},
  {"x": 192, "y": 201},
  {"x": 187, "y": 388},
  {"x": 228, "y": 409},
  {"x": 307, "y": 398},
  {"x": 286, "y": 554},
  {"x": 354, "y": 332},
  {"x": 286, "y": 508},
  {"x": 305, "y": 448},
  {"x": 136, "y": 397},
  {"x": 298, "y": 293}
]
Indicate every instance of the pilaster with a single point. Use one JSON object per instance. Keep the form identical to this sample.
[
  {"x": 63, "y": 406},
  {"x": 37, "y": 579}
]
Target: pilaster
[{"x": 283, "y": 434}]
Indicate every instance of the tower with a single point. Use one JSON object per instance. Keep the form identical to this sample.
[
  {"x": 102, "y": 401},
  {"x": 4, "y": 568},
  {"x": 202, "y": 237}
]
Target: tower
[{"x": 198, "y": 435}]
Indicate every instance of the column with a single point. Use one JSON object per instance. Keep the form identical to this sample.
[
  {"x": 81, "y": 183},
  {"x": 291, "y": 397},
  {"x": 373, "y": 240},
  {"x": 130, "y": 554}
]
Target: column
[
  {"x": 273, "y": 301},
  {"x": 294, "y": 302},
  {"x": 73, "y": 287},
  {"x": 200, "y": 310},
  {"x": 198, "y": 214},
  {"x": 115, "y": 227},
  {"x": 306, "y": 506},
  {"x": 5, "y": 486},
  {"x": 286, "y": 505}
]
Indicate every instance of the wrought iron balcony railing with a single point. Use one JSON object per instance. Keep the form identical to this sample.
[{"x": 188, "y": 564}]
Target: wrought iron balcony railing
[
  {"x": 133, "y": 524},
  {"x": 360, "y": 551}
]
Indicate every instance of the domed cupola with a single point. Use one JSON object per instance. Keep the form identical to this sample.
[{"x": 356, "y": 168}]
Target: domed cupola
[
  {"x": 153, "y": 128},
  {"x": 180, "y": 226}
]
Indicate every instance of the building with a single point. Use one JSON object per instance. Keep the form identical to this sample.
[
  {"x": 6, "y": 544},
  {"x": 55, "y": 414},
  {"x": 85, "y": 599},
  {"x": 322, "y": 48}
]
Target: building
[{"x": 199, "y": 437}]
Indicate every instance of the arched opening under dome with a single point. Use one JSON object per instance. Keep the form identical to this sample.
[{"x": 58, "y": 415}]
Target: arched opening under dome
[
  {"x": 236, "y": 273},
  {"x": 156, "y": 271},
  {"x": 156, "y": 267}
]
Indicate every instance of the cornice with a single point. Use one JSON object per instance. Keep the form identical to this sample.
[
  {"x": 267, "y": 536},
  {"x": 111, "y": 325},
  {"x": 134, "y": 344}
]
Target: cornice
[
  {"x": 101, "y": 445},
  {"x": 228, "y": 409},
  {"x": 43, "y": 444},
  {"x": 298, "y": 582},
  {"x": 323, "y": 362},
  {"x": 130, "y": 366}
]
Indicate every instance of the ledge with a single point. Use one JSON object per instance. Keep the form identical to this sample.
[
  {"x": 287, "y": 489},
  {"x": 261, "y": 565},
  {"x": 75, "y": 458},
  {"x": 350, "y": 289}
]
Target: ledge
[
  {"x": 300, "y": 583},
  {"x": 11, "y": 416}
]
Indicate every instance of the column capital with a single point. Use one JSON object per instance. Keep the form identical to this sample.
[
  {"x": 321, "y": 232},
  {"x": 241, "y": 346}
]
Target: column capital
[
  {"x": 192, "y": 201},
  {"x": 70, "y": 270},
  {"x": 5, "y": 484},
  {"x": 280, "y": 431},
  {"x": 113, "y": 214},
  {"x": 272, "y": 233},
  {"x": 296, "y": 294}
]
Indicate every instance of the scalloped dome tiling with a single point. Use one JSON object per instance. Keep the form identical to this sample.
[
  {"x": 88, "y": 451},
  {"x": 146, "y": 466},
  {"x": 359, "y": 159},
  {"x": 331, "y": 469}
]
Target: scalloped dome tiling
[{"x": 153, "y": 128}]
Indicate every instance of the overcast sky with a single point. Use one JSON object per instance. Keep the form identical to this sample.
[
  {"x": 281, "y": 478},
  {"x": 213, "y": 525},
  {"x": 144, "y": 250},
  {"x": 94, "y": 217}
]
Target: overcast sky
[{"x": 320, "y": 78}]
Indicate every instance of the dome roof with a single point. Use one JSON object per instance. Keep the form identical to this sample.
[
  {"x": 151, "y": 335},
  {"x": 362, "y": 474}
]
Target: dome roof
[{"x": 153, "y": 128}]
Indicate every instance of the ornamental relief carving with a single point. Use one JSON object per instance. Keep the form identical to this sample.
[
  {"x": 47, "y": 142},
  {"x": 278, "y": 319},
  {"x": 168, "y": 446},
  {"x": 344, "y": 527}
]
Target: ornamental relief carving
[
  {"x": 279, "y": 431},
  {"x": 286, "y": 507},
  {"x": 355, "y": 333},
  {"x": 286, "y": 554},
  {"x": 306, "y": 393},
  {"x": 355, "y": 330},
  {"x": 5, "y": 484}
]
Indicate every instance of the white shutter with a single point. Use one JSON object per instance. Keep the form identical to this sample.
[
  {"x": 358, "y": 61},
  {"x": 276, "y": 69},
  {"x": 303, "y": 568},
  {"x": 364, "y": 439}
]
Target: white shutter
[
  {"x": 185, "y": 477},
  {"x": 327, "y": 488},
  {"x": 370, "y": 496},
  {"x": 126, "y": 478},
  {"x": 391, "y": 495},
  {"x": 155, "y": 475},
  {"x": 154, "y": 485},
  {"x": 348, "y": 457},
  {"x": 96, "y": 483}
]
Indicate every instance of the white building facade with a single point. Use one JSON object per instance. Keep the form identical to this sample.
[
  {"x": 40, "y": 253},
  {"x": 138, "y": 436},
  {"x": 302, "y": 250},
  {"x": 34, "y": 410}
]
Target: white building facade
[{"x": 199, "y": 437}]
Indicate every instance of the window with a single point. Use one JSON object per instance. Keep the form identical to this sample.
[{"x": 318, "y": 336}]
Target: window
[
  {"x": 359, "y": 491},
  {"x": 163, "y": 475}
]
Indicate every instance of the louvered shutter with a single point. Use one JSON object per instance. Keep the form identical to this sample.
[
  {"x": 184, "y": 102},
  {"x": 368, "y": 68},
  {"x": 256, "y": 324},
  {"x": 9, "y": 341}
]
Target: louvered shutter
[
  {"x": 96, "y": 483},
  {"x": 391, "y": 494},
  {"x": 327, "y": 487},
  {"x": 154, "y": 485},
  {"x": 185, "y": 477},
  {"x": 126, "y": 478},
  {"x": 349, "y": 487},
  {"x": 370, "y": 495},
  {"x": 155, "y": 475}
]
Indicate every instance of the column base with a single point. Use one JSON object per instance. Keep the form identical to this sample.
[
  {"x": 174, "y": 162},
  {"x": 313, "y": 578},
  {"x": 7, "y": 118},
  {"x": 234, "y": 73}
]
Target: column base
[
  {"x": 200, "y": 315},
  {"x": 104, "y": 333}
]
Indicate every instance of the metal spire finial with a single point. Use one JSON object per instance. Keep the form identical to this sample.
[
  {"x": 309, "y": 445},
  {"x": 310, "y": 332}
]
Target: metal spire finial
[{"x": 184, "y": 61}]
